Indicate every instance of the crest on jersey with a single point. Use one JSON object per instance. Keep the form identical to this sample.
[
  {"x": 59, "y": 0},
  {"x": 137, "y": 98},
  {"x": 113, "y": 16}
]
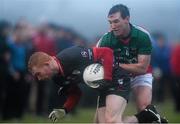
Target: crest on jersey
[
  {"x": 84, "y": 54},
  {"x": 120, "y": 81}
]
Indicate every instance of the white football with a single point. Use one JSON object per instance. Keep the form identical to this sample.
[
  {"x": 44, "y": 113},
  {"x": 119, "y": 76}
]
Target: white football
[{"x": 92, "y": 73}]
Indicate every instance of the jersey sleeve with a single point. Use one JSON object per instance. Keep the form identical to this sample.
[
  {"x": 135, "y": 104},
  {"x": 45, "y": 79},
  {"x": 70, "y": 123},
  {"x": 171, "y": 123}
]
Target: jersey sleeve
[
  {"x": 103, "y": 41},
  {"x": 145, "y": 45},
  {"x": 73, "y": 97},
  {"x": 105, "y": 56}
]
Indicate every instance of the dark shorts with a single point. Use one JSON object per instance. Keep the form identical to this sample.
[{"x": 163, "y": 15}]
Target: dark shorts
[{"x": 122, "y": 88}]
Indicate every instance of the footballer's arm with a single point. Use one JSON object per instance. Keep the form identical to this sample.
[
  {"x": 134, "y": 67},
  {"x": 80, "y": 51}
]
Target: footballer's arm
[
  {"x": 73, "y": 97},
  {"x": 140, "y": 67},
  {"x": 105, "y": 56}
]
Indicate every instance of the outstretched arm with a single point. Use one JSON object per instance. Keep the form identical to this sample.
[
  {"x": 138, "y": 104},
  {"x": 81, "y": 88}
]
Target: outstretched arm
[{"x": 74, "y": 94}]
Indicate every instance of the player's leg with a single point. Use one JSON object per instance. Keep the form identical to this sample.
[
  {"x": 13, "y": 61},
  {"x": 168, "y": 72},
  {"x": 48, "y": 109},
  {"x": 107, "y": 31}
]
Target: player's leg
[
  {"x": 130, "y": 119},
  {"x": 112, "y": 113},
  {"x": 100, "y": 110},
  {"x": 100, "y": 115},
  {"x": 96, "y": 115},
  {"x": 110, "y": 108},
  {"x": 117, "y": 96},
  {"x": 148, "y": 115},
  {"x": 143, "y": 100},
  {"x": 115, "y": 99},
  {"x": 115, "y": 106},
  {"x": 142, "y": 90},
  {"x": 143, "y": 96}
]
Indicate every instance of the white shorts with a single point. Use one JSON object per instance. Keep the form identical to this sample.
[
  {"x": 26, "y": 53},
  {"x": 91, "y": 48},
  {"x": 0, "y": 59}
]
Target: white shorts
[{"x": 142, "y": 80}]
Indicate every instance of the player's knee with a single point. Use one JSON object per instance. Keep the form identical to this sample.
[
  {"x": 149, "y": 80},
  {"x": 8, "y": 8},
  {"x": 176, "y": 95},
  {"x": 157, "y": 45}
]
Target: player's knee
[
  {"x": 111, "y": 118},
  {"x": 142, "y": 105}
]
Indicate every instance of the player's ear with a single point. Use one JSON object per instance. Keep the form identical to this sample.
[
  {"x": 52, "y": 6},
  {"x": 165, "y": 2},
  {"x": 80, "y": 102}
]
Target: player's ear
[
  {"x": 47, "y": 63},
  {"x": 127, "y": 18}
]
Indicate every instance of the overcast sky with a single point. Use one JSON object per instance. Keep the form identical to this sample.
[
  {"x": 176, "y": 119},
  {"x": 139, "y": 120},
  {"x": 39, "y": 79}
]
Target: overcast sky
[{"x": 89, "y": 17}]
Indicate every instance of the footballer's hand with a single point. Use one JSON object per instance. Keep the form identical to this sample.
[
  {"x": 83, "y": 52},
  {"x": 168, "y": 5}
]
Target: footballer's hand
[
  {"x": 104, "y": 84},
  {"x": 57, "y": 114}
]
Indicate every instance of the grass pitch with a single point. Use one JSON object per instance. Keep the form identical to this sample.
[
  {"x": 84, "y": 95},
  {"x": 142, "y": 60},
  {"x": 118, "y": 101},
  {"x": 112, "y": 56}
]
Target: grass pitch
[{"x": 86, "y": 115}]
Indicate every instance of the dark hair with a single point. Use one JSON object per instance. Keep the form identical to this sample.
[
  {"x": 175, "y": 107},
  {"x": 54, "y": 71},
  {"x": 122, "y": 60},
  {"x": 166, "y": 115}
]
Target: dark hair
[{"x": 120, "y": 8}]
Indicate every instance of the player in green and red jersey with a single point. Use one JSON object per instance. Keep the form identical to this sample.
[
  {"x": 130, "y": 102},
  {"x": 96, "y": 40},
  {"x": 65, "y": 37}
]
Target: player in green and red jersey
[{"x": 132, "y": 51}]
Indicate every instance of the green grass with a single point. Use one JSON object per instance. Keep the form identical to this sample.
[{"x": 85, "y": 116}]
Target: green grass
[{"x": 86, "y": 115}]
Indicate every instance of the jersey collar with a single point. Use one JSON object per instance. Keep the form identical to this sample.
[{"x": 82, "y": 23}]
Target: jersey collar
[{"x": 61, "y": 71}]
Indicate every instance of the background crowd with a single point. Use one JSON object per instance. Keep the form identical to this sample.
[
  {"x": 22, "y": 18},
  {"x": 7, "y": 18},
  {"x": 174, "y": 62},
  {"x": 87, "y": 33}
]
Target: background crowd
[{"x": 20, "y": 93}]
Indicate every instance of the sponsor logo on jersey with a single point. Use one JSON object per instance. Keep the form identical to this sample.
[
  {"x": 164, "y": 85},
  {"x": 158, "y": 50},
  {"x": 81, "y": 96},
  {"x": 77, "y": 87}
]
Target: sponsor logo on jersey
[
  {"x": 84, "y": 54},
  {"x": 120, "y": 81}
]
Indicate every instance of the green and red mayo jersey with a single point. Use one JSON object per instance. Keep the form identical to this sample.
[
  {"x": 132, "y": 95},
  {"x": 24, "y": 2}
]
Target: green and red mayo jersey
[{"x": 127, "y": 51}]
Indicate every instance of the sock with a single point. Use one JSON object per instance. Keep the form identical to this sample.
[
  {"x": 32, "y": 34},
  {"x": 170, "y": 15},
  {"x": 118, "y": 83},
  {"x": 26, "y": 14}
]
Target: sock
[{"x": 143, "y": 117}]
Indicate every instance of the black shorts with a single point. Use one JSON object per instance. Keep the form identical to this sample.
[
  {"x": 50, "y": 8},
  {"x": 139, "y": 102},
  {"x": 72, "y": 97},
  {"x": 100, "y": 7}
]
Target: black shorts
[{"x": 122, "y": 87}]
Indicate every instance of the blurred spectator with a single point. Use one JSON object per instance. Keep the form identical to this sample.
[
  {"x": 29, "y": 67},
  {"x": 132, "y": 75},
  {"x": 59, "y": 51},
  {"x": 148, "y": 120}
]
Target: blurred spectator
[
  {"x": 161, "y": 67},
  {"x": 15, "y": 82},
  {"x": 64, "y": 39},
  {"x": 80, "y": 41},
  {"x": 175, "y": 64},
  {"x": 18, "y": 88},
  {"x": 44, "y": 41},
  {"x": 4, "y": 60}
]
